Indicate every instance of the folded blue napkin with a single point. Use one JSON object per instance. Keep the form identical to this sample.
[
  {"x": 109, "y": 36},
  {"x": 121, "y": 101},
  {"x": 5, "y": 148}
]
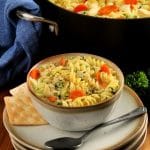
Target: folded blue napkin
[{"x": 19, "y": 40}]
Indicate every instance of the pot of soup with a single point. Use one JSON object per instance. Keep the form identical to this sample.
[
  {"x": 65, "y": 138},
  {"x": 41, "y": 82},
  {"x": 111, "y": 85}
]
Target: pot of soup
[{"x": 110, "y": 27}]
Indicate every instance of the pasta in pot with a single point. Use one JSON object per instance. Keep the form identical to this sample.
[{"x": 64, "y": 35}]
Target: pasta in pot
[
  {"x": 74, "y": 81},
  {"x": 107, "y": 8}
]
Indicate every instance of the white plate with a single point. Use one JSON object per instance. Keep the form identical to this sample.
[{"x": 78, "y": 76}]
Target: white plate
[
  {"x": 139, "y": 140},
  {"x": 110, "y": 137},
  {"x": 137, "y": 145},
  {"x": 17, "y": 145},
  {"x": 134, "y": 144}
]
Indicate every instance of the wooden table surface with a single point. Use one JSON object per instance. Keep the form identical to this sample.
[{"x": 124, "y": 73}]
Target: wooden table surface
[{"x": 5, "y": 143}]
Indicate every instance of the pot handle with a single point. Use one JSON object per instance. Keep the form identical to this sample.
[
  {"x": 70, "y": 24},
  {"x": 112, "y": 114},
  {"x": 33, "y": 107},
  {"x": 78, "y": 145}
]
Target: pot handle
[{"x": 53, "y": 26}]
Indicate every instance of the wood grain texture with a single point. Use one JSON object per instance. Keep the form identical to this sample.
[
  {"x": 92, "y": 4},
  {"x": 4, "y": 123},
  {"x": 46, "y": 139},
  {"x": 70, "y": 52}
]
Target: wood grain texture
[
  {"x": 146, "y": 145},
  {"x": 5, "y": 143}
]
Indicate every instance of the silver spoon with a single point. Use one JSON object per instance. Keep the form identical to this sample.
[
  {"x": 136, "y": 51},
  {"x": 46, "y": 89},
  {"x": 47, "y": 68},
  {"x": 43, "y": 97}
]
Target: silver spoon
[
  {"x": 72, "y": 143},
  {"x": 29, "y": 17}
]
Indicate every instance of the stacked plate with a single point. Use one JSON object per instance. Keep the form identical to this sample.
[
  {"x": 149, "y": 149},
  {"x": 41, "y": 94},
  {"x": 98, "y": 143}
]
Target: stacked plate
[{"x": 126, "y": 135}]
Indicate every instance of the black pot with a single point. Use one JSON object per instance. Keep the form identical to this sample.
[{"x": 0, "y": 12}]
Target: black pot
[{"x": 126, "y": 41}]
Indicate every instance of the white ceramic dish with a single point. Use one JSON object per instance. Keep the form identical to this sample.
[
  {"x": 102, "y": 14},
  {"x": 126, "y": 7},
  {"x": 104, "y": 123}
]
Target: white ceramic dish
[
  {"x": 110, "y": 137},
  {"x": 136, "y": 143},
  {"x": 17, "y": 144},
  {"x": 75, "y": 118},
  {"x": 139, "y": 140}
]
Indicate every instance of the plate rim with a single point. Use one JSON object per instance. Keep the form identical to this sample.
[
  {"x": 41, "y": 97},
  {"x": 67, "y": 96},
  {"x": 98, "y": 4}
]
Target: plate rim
[
  {"x": 139, "y": 137},
  {"x": 135, "y": 132}
]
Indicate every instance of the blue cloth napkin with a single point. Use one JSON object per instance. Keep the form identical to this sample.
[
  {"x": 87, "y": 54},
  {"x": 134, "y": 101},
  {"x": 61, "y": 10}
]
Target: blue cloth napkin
[{"x": 19, "y": 40}]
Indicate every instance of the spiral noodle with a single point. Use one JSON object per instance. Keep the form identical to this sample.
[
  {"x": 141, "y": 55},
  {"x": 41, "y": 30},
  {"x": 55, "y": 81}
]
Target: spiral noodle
[{"x": 80, "y": 81}]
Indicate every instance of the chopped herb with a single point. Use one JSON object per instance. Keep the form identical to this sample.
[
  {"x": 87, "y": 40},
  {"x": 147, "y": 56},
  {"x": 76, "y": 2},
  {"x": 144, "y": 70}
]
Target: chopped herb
[
  {"x": 138, "y": 81},
  {"x": 113, "y": 91},
  {"x": 48, "y": 74},
  {"x": 59, "y": 84},
  {"x": 84, "y": 12},
  {"x": 59, "y": 103}
]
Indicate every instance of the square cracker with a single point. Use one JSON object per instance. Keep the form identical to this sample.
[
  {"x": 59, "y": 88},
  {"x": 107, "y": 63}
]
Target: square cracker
[
  {"x": 21, "y": 90},
  {"x": 21, "y": 111}
]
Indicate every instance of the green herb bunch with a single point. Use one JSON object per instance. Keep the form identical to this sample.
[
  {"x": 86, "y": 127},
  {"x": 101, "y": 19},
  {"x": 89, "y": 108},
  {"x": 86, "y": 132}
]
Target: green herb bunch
[{"x": 139, "y": 81}]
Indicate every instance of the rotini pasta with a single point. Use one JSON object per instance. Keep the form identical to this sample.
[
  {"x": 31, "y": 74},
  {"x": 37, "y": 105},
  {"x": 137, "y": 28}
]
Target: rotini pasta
[
  {"x": 74, "y": 81},
  {"x": 107, "y": 8}
]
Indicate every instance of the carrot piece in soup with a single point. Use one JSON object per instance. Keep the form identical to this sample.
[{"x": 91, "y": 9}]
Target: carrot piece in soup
[
  {"x": 105, "y": 68},
  {"x": 131, "y": 2},
  {"x": 35, "y": 73},
  {"x": 97, "y": 76},
  {"x": 76, "y": 93},
  {"x": 63, "y": 61},
  {"x": 103, "y": 84},
  {"x": 108, "y": 9},
  {"x": 84, "y": 1},
  {"x": 52, "y": 98},
  {"x": 80, "y": 7}
]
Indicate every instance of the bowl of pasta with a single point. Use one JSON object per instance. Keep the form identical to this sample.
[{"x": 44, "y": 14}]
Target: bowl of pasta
[{"x": 75, "y": 91}]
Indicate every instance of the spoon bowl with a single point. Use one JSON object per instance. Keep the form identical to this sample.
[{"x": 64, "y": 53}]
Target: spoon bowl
[
  {"x": 72, "y": 143},
  {"x": 64, "y": 143}
]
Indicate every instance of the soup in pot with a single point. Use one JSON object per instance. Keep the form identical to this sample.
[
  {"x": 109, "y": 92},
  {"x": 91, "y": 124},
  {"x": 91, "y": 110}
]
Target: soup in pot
[{"x": 107, "y": 8}]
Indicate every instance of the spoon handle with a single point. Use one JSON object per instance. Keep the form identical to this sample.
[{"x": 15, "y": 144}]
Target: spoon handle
[{"x": 133, "y": 114}]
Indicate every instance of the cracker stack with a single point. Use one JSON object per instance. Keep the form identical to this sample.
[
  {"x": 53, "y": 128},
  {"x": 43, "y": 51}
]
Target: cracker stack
[{"x": 20, "y": 109}]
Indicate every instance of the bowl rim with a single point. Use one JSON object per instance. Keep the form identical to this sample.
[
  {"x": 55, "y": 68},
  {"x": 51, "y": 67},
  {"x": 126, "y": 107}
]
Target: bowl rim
[{"x": 84, "y": 108}]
